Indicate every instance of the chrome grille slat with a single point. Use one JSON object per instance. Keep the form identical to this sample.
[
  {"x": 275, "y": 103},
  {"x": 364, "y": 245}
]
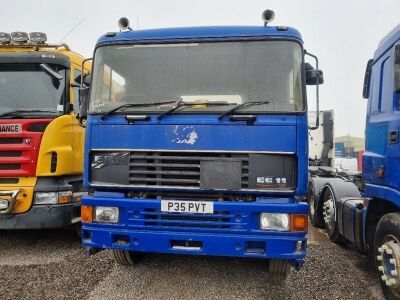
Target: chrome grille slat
[
  {"x": 182, "y": 173},
  {"x": 165, "y": 165},
  {"x": 139, "y": 179},
  {"x": 188, "y": 158}
]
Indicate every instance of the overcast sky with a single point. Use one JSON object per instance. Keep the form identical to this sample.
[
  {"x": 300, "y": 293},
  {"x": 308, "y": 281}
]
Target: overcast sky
[{"x": 342, "y": 33}]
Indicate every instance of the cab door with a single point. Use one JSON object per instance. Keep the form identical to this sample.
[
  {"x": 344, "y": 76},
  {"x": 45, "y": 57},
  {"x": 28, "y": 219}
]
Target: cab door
[{"x": 382, "y": 156}]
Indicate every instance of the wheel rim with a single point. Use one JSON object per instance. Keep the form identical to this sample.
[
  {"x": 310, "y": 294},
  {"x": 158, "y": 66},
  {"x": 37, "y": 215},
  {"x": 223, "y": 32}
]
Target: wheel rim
[
  {"x": 329, "y": 212},
  {"x": 388, "y": 262}
]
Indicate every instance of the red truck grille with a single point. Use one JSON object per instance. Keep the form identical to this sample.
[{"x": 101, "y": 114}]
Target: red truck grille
[{"x": 19, "y": 150}]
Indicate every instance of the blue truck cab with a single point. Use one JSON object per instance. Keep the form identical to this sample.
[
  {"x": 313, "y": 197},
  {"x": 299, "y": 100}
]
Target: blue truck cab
[
  {"x": 366, "y": 212},
  {"x": 196, "y": 143}
]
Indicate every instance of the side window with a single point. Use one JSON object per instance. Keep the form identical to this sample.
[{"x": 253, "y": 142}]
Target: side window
[
  {"x": 113, "y": 87},
  {"x": 76, "y": 91},
  {"x": 386, "y": 87}
]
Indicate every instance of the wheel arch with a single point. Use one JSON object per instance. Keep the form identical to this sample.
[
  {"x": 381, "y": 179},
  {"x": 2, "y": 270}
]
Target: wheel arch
[
  {"x": 377, "y": 208},
  {"x": 340, "y": 188}
]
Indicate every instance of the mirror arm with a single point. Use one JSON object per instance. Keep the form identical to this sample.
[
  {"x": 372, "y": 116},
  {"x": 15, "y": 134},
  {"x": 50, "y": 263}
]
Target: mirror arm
[{"x": 317, "y": 90}]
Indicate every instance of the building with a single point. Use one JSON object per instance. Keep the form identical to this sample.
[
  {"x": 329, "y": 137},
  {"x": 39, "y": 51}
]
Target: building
[{"x": 348, "y": 146}]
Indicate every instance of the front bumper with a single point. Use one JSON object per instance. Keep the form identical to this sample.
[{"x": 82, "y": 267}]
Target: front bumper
[
  {"x": 142, "y": 227},
  {"x": 43, "y": 217}
]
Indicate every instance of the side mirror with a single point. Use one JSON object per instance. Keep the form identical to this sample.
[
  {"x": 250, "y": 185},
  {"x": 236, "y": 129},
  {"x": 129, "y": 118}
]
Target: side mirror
[
  {"x": 86, "y": 80},
  {"x": 313, "y": 77},
  {"x": 367, "y": 79},
  {"x": 397, "y": 69},
  {"x": 83, "y": 103}
]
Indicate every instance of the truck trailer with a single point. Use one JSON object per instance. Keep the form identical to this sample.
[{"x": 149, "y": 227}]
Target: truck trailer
[
  {"x": 366, "y": 211},
  {"x": 41, "y": 140},
  {"x": 197, "y": 143}
]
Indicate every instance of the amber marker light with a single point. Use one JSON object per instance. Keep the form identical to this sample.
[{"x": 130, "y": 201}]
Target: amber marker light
[
  {"x": 65, "y": 197},
  {"x": 298, "y": 223},
  {"x": 86, "y": 214}
]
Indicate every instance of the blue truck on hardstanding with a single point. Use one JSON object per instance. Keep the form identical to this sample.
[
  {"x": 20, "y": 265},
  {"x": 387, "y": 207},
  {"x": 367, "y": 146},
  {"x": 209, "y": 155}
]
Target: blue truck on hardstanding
[
  {"x": 365, "y": 210},
  {"x": 196, "y": 143}
]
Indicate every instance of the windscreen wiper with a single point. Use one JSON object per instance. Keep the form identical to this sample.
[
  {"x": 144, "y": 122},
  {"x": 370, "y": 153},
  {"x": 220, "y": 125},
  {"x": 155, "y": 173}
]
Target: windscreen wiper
[
  {"x": 128, "y": 105},
  {"x": 19, "y": 112},
  {"x": 49, "y": 71},
  {"x": 241, "y": 106},
  {"x": 181, "y": 103}
]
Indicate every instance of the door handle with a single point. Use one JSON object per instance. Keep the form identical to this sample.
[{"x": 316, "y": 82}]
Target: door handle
[{"x": 393, "y": 137}]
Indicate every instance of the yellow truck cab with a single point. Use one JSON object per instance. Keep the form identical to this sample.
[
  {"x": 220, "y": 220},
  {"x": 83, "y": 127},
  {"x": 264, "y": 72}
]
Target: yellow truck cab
[{"x": 41, "y": 141}]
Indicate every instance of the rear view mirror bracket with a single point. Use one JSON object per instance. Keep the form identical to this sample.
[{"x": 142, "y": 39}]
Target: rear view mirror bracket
[
  {"x": 84, "y": 92},
  {"x": 314, "y": 77}
]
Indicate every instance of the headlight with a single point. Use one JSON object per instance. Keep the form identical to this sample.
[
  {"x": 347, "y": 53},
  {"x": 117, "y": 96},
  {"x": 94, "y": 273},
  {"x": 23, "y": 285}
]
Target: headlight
[
  {"x": 46, "y": 198},
  {"x": 106, "y": 214},
  {"x": 53, "y": 197},
  {"x": 274, "y": 221},
  {"x": 3, "y": 205}
]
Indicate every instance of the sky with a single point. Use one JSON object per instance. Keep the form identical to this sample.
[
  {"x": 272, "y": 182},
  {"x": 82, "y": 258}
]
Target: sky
[{"x": 342, "y": 33}]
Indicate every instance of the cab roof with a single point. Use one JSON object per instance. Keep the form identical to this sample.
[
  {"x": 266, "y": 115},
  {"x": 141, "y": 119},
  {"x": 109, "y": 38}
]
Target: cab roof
[
  {"x": 388, "y": 41},
  {"x": 35, "y": 51},
  {"x": 200, "y": 33}
]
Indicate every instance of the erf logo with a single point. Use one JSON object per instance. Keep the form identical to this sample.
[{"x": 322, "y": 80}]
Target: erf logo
[{"x": 10, "y": 128}]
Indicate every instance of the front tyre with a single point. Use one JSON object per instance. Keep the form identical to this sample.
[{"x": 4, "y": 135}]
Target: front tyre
[
  {"x": 125, "y": 257},
  {"x": 314, "y": 212},
  {"x": 387, "y": 254}
]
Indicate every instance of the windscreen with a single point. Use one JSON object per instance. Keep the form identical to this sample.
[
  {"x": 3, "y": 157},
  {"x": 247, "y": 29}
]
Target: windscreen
[
  {"x": 25, "y": 86},
  {"x": 228, "y": 72}
]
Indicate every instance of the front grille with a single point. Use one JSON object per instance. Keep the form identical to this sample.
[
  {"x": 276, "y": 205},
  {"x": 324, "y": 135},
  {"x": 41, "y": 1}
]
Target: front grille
[
  {"x": 219, "y": 220},
  {"x": 15, "y": 153},
  {"x": 183, "y": 169},
  {"x": 9, "y": 180},
  {"x": 10, "y": 166},
  {"x": 38, "y": 127},
  {"x": 10, "y": 140}
]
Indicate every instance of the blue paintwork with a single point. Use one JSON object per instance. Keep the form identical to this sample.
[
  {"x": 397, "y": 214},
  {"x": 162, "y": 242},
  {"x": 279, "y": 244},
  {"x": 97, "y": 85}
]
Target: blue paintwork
[
  {"x": 270, "y": 132},
  {"x": 243, "y": 227},
  {"x": 265, "y": 135},
  {"x": 379, "y": 122},
  {"x": 199, "y": 33}
]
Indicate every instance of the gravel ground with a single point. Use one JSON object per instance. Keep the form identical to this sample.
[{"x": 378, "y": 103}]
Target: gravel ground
[{"x": 52, "y": 265}]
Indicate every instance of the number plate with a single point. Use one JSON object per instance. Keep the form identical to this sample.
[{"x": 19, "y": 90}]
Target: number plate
[{"x": 189, "y": 207}]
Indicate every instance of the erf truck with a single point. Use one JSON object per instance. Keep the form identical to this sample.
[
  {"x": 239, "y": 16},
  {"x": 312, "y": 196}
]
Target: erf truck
[
  {"x": 367, "y": 213},
  {"x": 197, "y": 143},
  {"x": 41, "y": 140}
]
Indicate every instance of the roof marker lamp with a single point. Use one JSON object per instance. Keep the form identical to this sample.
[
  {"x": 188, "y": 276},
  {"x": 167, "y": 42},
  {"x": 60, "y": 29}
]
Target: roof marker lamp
[
  {"x": 5, "y": 38},
  {"x": 38, "y": 37},
  {"x": 19, "y": 37},
  {"x": 268, "y": 16},
  {"x": 123, "y": 24}
]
